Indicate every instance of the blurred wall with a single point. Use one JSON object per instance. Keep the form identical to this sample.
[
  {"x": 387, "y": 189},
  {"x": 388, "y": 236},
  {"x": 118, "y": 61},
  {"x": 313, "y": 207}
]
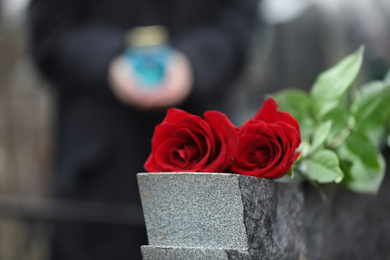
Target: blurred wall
[{"x": 25, "y": 116}]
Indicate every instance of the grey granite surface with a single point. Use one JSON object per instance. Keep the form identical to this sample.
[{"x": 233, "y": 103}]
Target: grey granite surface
[
  {"x": 182, "y": 253},
  {"x": 194, "y": 210},
  {"x": 273, "y": 220},
  {"x": 190, "y": 253},
  {"x": 246, "y": 218}
]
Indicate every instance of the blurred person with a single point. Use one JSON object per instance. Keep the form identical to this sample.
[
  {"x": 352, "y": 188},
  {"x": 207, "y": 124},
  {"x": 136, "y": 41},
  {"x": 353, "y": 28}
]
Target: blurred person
[{"x": 105, "y": 119}]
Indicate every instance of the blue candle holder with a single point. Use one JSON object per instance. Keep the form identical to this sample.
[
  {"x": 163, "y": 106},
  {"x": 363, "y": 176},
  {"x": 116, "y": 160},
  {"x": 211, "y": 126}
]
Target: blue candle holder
[
  {"x": 149, "y": 63},
  {"x": 148, "y": 53}
]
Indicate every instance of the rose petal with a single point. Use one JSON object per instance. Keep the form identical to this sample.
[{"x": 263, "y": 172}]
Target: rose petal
[
  {"x": 162, "y": 132},
  {"x": 198, "y": 123},
  {"x": 226, "y": 135},
  {"x": 194, "y": 136},
  {"x": 256, "y": 154},
  {"x": 150, "y": 164},
  {"x": 164, "y": 154},
  {"x": 175, "y": 116},
  {"x": 267, "y": 111},
  {"x": 288, "y": 119}
]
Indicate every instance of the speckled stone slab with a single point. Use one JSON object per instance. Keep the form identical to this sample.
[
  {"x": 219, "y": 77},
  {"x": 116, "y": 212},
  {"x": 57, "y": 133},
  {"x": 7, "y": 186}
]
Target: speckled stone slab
[
  {"x": 193, "y": 210},
  {"x": 233, "y": 213},
  {"x": 236, "y": 217},
  {"x": 182, "y": 253}
]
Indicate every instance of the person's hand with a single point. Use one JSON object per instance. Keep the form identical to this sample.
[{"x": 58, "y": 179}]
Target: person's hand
[{"x": 174, "y": 89}]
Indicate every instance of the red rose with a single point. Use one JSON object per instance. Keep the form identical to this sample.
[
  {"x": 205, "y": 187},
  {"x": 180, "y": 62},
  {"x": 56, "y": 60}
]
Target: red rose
[
  {"x": 267, "y": 143},
  {"x": 185, "y": 142}
]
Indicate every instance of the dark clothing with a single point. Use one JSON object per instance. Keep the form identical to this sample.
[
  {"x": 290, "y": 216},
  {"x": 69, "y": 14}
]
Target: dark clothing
[{"x": 100, "y": 144}]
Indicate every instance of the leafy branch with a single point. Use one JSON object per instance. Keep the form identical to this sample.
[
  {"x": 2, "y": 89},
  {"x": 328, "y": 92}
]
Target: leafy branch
[{"x": 342, "y": 130}]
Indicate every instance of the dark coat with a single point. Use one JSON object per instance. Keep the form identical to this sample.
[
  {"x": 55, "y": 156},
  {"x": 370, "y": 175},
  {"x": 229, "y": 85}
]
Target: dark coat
[{"x": 100, "y": 144}]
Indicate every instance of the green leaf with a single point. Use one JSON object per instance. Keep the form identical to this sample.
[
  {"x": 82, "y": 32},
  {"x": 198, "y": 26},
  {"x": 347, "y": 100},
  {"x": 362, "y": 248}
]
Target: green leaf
[
  {"x": 387, "y": 131},
  {"x": 367, "y": 166},
  {"x": 341, "y": 121},
  {"x": 345, "y": 166},
  {"x": 377, "y": 135},
  {"x": 331, "y": 85},
  {"x": 298, "y": 104},
  {"x": 323, "y": 167},
  {"x": 294, "y": 101},
  {"x": 371, "y": 107},
  {"x": 320, "y": 135},
  {"x": 388, "y": 140},
  {"x": 361, "y": 179},
  {"x": 306, "y": 126},
  {"x": 360, "y": 146}
]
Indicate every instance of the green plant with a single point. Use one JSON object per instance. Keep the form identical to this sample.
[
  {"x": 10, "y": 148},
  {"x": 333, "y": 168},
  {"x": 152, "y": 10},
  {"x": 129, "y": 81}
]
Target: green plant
[{"x": 342, "y": 128}]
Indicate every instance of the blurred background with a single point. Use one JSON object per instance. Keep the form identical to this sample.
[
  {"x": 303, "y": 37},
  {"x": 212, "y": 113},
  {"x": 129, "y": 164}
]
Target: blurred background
[
  {"x": 25, "y": 106},
  {"x": 294, "y": 41}
]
